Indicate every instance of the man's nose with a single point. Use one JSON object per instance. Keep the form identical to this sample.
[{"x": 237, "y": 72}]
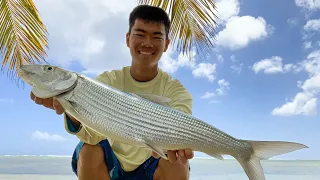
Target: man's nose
[{"x": 147, "y": 41}]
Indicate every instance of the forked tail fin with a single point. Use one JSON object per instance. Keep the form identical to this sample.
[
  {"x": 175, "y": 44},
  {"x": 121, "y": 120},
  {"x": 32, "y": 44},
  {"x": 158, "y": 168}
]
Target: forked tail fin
[{"x": 263, "y": 150}]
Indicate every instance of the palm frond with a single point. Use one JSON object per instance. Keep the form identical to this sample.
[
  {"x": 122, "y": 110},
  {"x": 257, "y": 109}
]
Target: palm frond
[
  {"x": 23, "y": 36},
  {"x": 193, "y": 24}
]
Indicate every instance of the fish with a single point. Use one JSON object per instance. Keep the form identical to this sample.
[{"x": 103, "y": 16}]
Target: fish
[{"x": 145, "y": 120}]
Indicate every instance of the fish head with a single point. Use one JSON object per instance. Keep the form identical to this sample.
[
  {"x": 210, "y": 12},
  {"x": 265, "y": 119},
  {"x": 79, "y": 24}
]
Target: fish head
[{"x": 47, "y": 81}]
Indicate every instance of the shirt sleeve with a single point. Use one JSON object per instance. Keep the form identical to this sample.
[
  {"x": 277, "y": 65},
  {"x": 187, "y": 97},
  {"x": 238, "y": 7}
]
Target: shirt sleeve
[
  {"x": 86, "y": 135},
  {"x": 181, "y": 99}
]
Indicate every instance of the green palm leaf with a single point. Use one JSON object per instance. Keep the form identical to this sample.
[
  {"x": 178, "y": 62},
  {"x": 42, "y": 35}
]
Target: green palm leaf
[
  {"x": 23, "y": 37},
  {"x": 193, "y": 24}
]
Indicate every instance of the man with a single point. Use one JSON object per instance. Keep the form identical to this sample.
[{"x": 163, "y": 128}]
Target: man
[{"x": 100, "y": 158}]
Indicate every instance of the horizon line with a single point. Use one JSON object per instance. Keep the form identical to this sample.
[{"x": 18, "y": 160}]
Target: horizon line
[{"x": 196, "y": 157}]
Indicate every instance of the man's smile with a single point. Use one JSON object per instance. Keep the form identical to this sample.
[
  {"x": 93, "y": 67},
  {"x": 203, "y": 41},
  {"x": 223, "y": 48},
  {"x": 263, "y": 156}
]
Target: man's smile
[{"x": 146, "y": 52}]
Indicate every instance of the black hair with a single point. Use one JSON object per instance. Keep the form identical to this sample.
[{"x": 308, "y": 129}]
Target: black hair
[{"x": 150, "y": 14}]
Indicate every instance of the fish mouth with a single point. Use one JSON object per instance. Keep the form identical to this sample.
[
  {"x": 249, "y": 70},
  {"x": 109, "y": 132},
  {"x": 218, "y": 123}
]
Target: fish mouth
[{"x": 25, "y": 76}]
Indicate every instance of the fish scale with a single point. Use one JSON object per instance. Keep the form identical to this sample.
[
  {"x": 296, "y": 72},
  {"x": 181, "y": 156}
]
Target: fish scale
[
  {"x": 142, "y": 121},
  {"x": 136, "y": 116}
]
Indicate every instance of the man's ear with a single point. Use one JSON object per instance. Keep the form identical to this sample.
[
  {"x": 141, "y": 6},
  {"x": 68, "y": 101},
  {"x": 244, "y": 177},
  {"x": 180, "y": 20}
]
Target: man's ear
[
  {"x": 166, "y": 45},
  {"x": 127, "y": 39}
]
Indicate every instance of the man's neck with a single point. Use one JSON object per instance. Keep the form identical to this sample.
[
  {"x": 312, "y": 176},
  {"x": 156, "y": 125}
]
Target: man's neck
[{"x": 143, "y": 73}]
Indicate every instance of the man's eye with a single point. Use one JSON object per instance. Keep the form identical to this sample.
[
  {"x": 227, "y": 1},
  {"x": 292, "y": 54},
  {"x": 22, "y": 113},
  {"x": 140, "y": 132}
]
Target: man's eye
[{"x": 139, "y": 34}]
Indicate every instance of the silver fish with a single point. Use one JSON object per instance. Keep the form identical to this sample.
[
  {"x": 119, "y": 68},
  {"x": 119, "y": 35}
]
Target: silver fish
[{"x": 145, "y": 120}]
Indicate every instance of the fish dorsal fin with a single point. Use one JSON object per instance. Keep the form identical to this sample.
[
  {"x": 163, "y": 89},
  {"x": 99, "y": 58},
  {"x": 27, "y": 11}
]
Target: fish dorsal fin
[{"x": 154, "y": 98}]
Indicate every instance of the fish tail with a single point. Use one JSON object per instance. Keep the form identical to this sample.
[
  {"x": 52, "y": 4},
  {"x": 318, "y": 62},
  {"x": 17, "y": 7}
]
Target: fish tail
[{"x": 263, "y": 150}]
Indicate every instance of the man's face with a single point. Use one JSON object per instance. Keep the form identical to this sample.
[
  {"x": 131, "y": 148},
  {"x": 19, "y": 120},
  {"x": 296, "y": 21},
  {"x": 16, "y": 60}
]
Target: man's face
[{"x": 147, "y": 42}]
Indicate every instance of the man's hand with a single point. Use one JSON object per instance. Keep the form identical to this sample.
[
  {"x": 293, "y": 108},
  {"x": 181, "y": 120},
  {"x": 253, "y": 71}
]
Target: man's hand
[
  {"x": 182, "y": 155},
  {"x": 49, "y": 103}
]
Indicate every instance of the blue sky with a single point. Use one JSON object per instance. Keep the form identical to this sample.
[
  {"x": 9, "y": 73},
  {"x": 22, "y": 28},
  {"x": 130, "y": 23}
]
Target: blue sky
[{"x": 258, "y": 84}]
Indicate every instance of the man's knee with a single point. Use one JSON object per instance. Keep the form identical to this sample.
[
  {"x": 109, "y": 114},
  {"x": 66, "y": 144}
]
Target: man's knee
[
  {"x": 171, "y": 171},
  {"x": 91, "y": 163},
  {"x": 91, "y": 156}
]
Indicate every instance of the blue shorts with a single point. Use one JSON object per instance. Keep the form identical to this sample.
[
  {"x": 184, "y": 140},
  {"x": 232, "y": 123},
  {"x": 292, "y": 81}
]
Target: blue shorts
[{"x": 144, "y": 172}]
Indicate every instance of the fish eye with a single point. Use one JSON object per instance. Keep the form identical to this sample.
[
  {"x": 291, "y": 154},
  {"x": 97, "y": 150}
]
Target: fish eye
[{"x": 49, "y": 68}]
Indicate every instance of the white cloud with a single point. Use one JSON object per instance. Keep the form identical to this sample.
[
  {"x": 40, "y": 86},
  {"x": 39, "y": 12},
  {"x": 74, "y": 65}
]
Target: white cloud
[
  {"x": 308, "y": 4},
  {"x": 227, "y": 9},
  {"x": 208, "y": 95},
  {"x": 268, "y": 66},
  {"x": 171, "y": 65},
  {"x": 307, "y": 45},
  {"x": 6, "y": 100},
  {"x": 305, "y": 102},
  {"x": 240, "y": 31},
  {"x": 312, "y": 85},
  {"x": 92, "y": 34},
  {"x": 302, "y": 104},
  {"x": 47, "y": 137},
  {"x": 274, "y": 65},
  {"x": 206, "y": 70},
  {"x": 201, "y": 70},
  {"x": 233, "y": 58},
  {"x": 223, "y": 89},
  {"x": 292, "y": 21},
  {"x": 312, "y": 64},
  {"x": 220, "y": 58},
  {"x": 237, "y": 68},
  {"x": 312, "y": 25}
]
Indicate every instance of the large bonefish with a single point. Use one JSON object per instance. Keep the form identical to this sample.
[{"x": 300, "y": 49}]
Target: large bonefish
[{"x": 145, "y": 120}]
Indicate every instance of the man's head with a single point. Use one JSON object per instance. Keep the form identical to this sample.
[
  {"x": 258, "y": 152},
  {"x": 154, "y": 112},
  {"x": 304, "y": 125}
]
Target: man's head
[{"x": 148, "y": 35}]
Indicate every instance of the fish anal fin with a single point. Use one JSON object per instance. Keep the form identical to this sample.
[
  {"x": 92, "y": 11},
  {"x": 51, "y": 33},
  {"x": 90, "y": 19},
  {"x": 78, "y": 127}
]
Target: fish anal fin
[
  {"x": 217, "y": 156},
  {"x": 157, "y": 150}
]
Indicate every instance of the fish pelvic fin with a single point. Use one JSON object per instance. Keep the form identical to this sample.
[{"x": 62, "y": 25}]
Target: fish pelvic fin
[{"x": 263, "y": 150}]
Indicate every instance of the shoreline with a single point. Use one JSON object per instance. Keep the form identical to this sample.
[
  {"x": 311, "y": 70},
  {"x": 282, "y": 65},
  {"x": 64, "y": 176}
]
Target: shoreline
[{"x": 195, "y": 158}]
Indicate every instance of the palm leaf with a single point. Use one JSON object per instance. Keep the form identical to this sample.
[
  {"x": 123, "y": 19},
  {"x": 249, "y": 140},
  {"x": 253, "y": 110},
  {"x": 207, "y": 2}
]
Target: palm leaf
[
  {"x": 23, "y": 37},
  {"x": 193, "y": 24}
]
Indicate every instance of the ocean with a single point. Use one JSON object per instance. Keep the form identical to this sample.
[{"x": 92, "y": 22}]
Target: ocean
[{"x": 58, "y": 167}]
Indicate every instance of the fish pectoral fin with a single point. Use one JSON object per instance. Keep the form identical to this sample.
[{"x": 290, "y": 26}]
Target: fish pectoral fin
[
  {"x": 217, "y": 156},
  {"x": 154, "y": 98},
  {"x": 157, "y": 150},
  {"x": 68, "y": 108}
]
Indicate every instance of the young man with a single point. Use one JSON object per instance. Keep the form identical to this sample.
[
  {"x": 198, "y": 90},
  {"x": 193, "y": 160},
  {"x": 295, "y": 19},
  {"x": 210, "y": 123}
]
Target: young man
[{"x": 101, "y": 158}]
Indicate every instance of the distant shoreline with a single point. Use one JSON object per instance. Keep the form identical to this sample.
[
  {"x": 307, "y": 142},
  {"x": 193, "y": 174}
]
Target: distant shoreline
[{"x": 195, "y": 158}]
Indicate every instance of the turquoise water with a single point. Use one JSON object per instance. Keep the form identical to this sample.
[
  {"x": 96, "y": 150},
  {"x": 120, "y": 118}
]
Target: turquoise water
[{"x": 49, "y": 168}]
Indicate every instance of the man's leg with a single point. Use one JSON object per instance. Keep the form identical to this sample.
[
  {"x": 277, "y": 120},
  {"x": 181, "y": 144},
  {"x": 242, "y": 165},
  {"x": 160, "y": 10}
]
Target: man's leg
[
  {"x": 91, "y": 163},
  {"x": 171, "y": 171}
]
